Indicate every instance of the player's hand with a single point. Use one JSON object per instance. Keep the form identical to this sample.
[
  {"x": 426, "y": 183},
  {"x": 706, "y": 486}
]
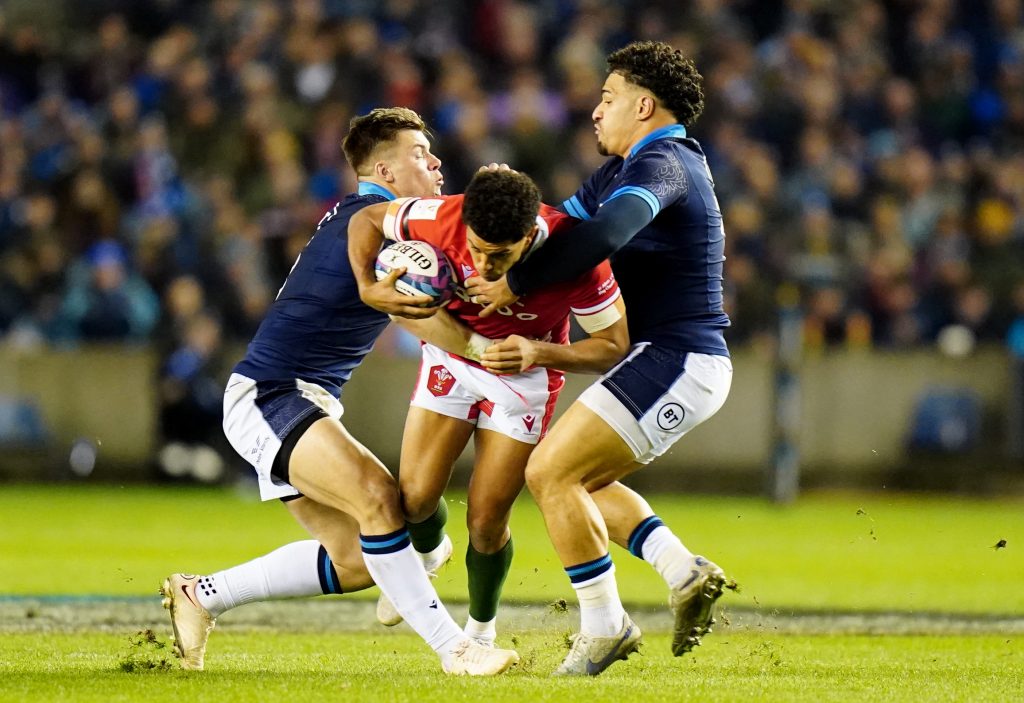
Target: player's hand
[
  {"x": 491, "y": 294},
  {"x": 383, "y": 296},
  {"x": 514, "y": 354},
  {"x": 495, "y": 167}
]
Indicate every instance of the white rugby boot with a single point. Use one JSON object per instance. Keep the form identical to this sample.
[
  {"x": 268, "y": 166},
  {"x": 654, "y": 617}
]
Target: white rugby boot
[
  {"x": 693, "y": 605},
  {"x": 191, "y": 622},
  {"x": 386, "y": 612},
  {"x": 470, "y": 658},
  {"x": 590, "y": 655}
]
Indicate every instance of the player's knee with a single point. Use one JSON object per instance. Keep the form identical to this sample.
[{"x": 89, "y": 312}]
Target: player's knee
[
  {"x": 540, "y": 479},
  {"x": 417, "y": 504},
  {"x": 487, "y": 528},
  {"x": 379, "y": 497}
]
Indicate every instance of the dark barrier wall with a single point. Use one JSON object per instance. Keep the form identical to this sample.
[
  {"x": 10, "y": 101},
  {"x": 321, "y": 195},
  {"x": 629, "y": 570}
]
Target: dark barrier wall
[{"x": 856, "y": 410}]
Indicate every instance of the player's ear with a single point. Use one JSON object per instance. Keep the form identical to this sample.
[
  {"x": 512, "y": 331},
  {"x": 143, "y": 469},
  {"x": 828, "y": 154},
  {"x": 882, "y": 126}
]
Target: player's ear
[
  {"x": 381, "y": 170},
  {"x": 645, "y": 107},
  {"x": 531, "y": 235}
]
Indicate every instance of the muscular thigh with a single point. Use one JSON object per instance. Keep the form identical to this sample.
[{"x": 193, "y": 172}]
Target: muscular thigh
[
  {"x": 330, "y": 466},
  {"x": 499, "y": 469},
  {"x": 582, "y": 448},
  {"x": 430, "y": 445}
]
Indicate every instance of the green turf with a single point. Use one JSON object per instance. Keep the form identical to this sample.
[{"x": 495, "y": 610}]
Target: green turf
[
  {"x": 829, "y": 551},
  {"x": 364, "y": 667}
]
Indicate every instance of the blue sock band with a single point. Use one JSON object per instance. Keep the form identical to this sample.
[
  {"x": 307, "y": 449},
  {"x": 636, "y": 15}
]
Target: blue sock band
[
  {"x": 329, "y": 581},
  {"x": 590, "y": 569},
  {"x": 640, "y": 534},
  {"x": 385, "y": 544}
]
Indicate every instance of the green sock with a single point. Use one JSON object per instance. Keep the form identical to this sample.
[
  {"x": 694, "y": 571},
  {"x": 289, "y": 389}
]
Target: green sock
[
  {"x": 487, "y": 574},
  {"x": 427, "y": 535}
]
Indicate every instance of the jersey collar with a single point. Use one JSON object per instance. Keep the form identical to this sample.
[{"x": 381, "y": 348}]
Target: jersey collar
[
  {"x": 672, "y": 131},
  {"x": 367, "y": 188}
]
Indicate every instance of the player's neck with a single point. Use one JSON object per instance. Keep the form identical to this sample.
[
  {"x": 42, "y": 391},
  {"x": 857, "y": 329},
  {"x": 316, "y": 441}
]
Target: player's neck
[
  {"x": 645, "y": 129},
  {"x": 376, "y": 182}
]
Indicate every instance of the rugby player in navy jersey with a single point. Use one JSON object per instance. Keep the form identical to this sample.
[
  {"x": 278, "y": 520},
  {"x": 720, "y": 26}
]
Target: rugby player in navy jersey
[
  {"x": 282, "y": 414},
  {"x": 651, "y": 210}
]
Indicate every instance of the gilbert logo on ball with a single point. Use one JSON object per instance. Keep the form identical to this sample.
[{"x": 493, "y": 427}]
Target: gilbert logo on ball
[{"x": 428, "y": 271}]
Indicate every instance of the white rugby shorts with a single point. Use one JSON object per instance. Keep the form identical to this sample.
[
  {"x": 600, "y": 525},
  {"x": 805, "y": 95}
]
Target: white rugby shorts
[
  {"x": 259, "y": 416},
  {"x": 519, "y": 406},
  {"x": 654, "y": 396}
]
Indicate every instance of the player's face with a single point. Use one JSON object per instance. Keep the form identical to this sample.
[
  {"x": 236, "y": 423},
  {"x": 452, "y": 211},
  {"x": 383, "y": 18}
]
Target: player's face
[
  {"x": 615, "y": 117},
  {"x": 493, "y": 260},
  {"x": 416, "y": 171}
]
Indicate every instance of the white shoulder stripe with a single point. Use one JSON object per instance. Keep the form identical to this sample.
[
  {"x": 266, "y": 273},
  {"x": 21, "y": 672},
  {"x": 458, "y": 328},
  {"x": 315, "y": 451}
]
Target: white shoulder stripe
[
  {"x": 601, "y": 318},
  {"x": 597, "y": 308}
]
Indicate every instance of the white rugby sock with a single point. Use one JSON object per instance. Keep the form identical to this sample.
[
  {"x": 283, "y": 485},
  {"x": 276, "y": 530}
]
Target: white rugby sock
[
  {"x": 601, "y": 611},
  {"x": 668, "y": 556},
  {"x": 290, "y": 571},
  {"x": 398, "y": 572},
  {"x": 481, "y": 631}
]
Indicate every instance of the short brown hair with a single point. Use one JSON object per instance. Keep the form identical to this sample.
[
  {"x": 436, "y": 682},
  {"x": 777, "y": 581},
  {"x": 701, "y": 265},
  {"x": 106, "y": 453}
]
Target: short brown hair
[
  {"x": 664, "y": 71},
  {"x": 501, "y": 206},
  {"x": 367, "y": 132}
]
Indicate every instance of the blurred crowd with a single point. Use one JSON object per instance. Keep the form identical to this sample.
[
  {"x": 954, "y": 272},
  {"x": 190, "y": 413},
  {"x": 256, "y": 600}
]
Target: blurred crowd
[{"x": 162, "y": 162}]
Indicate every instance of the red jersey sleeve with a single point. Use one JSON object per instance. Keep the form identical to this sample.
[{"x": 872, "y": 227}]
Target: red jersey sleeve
[{"x": 434, "y": 220}]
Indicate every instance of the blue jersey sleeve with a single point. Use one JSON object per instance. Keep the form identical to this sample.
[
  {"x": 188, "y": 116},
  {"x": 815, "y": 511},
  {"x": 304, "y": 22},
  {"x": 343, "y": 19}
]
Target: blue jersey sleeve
[
  {"x": 584, "y": 203},
  {"x": 656, "y": 176},
  {"x": 587, "y": 245}
]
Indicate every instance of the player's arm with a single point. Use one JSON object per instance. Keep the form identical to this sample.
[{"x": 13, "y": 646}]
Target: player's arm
[
  {"x": 607, "y": 344},
  {"x": 569, "y": 256},
  {"x": 445, "y": 332},
  {"x": 365, "y": 238}
]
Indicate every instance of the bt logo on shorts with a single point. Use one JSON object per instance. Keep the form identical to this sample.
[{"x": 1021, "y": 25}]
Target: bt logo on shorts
[
  {"x": 440, "y": 381},
  {"x": 670, "y": 415}
]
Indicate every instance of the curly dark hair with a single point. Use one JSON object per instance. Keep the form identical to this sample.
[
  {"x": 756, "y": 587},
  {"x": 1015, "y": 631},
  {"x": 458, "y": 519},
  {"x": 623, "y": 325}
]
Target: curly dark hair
[
  {"x": 367, "y": 132},
  {"x": 501, "y": 206},
  {"x": 664, "y": 71}
]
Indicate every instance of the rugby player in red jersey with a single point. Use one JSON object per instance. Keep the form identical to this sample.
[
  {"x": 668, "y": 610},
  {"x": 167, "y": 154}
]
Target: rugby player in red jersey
[{"x": 498, "y": 222}]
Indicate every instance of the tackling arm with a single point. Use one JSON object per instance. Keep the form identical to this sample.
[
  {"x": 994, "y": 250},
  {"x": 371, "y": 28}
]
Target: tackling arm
[
  {"x": 365, "y": 237},
  {"x": 596, "y": 354},
  {"x": 445, "y": 332},
  {"x": 562, "y": 259}
]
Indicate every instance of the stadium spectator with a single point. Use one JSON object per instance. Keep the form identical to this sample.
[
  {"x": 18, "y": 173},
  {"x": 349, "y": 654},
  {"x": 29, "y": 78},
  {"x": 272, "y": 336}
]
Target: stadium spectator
[
  {"x": 105, "y": 301},
  {"x": 896, "y": 127}
]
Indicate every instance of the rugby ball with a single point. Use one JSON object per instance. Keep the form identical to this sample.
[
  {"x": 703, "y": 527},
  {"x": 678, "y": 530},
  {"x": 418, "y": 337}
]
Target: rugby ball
[{"x": 428, "y": 271}]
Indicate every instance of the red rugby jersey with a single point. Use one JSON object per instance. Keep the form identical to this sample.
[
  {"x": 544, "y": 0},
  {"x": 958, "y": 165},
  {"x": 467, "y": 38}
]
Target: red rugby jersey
[{"x": 543, "y": 314}]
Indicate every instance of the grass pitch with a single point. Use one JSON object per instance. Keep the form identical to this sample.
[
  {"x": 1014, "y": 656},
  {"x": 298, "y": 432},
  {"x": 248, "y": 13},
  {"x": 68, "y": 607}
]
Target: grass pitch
[
  {"x": 365, "y": 667},
  {"x": 826, "y": 585},
  {"x": 875, "y": 552}
]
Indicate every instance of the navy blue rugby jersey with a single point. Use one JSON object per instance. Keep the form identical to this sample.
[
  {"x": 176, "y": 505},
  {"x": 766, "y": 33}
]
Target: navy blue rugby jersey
[
  {"x": 318, "y": 329},
  {"x": 670, "y": 272}
]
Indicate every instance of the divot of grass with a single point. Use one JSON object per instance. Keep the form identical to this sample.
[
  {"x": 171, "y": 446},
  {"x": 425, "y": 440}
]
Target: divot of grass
[{"x": 146, "y": 652}]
